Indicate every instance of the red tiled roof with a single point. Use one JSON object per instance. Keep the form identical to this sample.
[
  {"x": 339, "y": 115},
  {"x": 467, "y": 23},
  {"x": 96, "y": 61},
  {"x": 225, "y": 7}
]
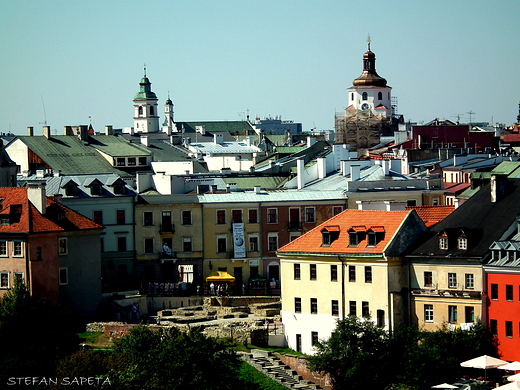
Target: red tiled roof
[
  {"x": 29, "y": 220},
  {"x": 311, "y": 242},
  {"x": 510, "y": 137},
  {"x": 454, "y": 188},
  {"x": 432, "y": 215},
  {"x": 331, "y": 228}
]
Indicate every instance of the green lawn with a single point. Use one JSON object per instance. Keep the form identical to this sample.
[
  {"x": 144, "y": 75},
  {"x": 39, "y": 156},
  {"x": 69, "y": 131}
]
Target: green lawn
[{"x": 257, "y": 379}]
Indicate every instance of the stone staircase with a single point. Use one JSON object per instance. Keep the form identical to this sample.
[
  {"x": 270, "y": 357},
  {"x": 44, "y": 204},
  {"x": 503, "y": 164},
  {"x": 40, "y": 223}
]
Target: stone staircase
[{"x": 271, "y": 366}]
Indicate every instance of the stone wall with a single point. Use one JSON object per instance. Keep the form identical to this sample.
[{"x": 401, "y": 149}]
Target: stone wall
[{"x": 299, "y": 364}]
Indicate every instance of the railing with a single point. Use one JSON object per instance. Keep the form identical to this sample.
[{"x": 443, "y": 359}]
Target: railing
[
  {"x": 294, "y": 225},
  {"x": 167, "y": 228}
]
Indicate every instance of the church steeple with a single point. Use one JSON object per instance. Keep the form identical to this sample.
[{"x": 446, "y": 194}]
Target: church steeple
[
  {"x": 146, "y": 118},
  {"x": 369, "y": 77}
]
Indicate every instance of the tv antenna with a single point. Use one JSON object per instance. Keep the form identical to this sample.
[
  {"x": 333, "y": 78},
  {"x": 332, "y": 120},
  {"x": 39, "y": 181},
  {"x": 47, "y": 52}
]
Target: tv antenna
[
  {"x": 458, "y": 117},
  {"x": 44, "y": 113},
  {"x": 470, "y": 113}
]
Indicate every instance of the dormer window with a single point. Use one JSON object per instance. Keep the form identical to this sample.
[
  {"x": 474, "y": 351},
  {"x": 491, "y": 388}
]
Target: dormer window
[
  {"x": 356, "y": 235},
  {"x": 375, "y": 234},
  {"x": 443, "y": 241},
  {"x": 329, "y": 234},
  {"x": 462, "y": 241},
  {"x": 71, "y": 188}
]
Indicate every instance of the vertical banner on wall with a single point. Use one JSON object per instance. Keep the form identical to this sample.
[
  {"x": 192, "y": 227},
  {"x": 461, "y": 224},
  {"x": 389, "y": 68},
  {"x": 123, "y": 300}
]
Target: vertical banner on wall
[{"x": 239, "y": 245}]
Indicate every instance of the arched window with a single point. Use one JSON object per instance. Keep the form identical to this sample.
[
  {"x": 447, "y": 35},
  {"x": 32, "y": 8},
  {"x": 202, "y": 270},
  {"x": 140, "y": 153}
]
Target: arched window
[
  {"x": 151, "y": 111},
  {"x": 352, "y": 96},
  {"x": 380, "y": 95},
  {"x": 365, "y": 96},
  {"x": 140, "y": 111}
]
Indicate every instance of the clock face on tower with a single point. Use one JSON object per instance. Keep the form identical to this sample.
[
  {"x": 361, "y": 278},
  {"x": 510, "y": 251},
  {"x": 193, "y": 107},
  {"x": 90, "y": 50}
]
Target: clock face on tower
[{"x": 365, "y": 106}]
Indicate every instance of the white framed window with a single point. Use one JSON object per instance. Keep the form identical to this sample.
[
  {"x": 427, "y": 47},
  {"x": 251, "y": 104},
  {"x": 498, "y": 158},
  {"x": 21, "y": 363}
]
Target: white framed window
[
  {"x": 253, "y": 243},
  {"x": 17, "y": 248},
  {"x": 310, "y": 214},
  {"x": 470, "y": 281},
  {"x": 272, "y": 215},
  {"x": 19, "y": 276},
  {"x": 452, "y": 314},
  {"x": 4, "y": 279},
  {"x": 272, "y": 242},
  {"x": 63, "y": 248},
  {"x": 63, "y": 276},
  {"x": 452, "y": 280},
  {"x": 428, "y": 313},
  {"x": 443, "y": 243},
  {"x": 462, "y": 243},
  {"x": 3, "y": 248},
  {"x": 336, "y": 210}
]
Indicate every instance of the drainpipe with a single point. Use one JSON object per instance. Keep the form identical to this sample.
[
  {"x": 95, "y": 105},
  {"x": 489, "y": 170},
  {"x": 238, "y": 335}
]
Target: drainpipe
[{"x": 342, "y": 287}]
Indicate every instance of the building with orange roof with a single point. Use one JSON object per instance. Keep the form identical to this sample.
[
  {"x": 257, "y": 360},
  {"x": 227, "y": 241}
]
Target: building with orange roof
[
  {"x": 54, "y": 249},
  {"x": 350, "y": 264},
  {"x": 432, "y": 215}
]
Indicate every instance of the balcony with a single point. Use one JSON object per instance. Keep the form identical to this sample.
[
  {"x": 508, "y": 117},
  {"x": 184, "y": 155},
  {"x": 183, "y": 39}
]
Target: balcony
[
  {"x": 293, "y": 226},
  {"x": 467, "y": 294},
  {"x": 166, "y": 256},
  {"x": 167, "y": 228}
]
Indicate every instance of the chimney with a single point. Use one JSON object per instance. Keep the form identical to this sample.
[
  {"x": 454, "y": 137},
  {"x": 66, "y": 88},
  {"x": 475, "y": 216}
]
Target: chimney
[
  {"x": 300, "y": 169},
  {"x": 36, "y": 195},
  {"x": 343, "y": 167},
  {"x": 257, "y": 189},
  {"x": 67, "y": 130},
  {"x": 144, "y": 140},
  {"x": 47, "y": 132},
  {"x": 322, "y": 167},
  {"x": 109, "y": 130},
  {"x": 83, "y": 132},
  {"x": 498, "y": 187},
  {"x": 310, "y": 141},
  {"x": 213, "y": 188},
  {"x": 30, "y": 131},
  {"x": 218, "y": 138},
  {"x": 354, "y": 172}
]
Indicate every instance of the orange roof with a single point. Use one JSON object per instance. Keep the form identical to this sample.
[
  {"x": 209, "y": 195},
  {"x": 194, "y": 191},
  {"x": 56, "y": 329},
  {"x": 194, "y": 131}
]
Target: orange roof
[
  {"x": 22, "y": 216},
  {"x": 432, "y": 215},
  {"x": 311, "y": 242}
]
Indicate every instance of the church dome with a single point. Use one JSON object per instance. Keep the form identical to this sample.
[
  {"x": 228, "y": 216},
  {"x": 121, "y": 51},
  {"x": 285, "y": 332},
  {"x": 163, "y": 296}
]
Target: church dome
[
  {"x": 369, "y": 77},
  {"x": 145, "y": 89}
]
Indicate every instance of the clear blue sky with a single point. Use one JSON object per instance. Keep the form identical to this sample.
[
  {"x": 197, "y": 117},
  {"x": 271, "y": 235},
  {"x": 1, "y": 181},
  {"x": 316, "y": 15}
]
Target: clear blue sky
[{"x": 218, "y": 59}]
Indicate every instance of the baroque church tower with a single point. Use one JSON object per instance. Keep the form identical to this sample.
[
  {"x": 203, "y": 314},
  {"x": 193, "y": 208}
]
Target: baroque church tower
[
  {"x": 146, "y": 116},
  {"x": 369, "y": 114}
]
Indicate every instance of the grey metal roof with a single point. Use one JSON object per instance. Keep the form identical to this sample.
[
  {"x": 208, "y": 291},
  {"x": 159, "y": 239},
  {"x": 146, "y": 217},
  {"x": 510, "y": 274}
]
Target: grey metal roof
[{"x": 225, "y": 148}]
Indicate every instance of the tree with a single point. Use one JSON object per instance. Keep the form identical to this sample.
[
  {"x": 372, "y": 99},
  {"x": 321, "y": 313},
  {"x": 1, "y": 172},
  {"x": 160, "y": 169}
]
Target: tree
[
  {"x": 354, "y": 356},
  {"x": 173, "y": 359},
  {"x": 34, "y": 333}
]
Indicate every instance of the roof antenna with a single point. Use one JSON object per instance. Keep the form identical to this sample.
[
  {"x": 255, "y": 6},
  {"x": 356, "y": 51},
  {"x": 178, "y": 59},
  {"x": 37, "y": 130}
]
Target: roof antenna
[{"x": 44, "y": 113}]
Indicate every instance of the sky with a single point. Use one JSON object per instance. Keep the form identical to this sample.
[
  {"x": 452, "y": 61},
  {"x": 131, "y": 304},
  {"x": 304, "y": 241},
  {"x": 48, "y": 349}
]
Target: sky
[{"x": 68, "y": 63}]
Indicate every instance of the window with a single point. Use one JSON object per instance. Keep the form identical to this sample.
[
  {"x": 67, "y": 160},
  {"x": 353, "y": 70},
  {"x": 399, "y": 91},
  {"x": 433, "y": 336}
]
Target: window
[
  {"x": 336, "y": 210},
  {"x": 142, "y": 161},
  {"x": 221, "y": 217},
  {"x": 314, "y": 305},
  {"x": 120, "y": 161},
  {"x": 186, "y": 217},
  {"x": 428, "y": 313},
  {"x": 380, "y": 95},
  {"x": 365, "y": 310},
  {"x": 272, "y": 215},
  {"x": 312, "y": 271},
  {"x": 310, "y": 216},
  {"x": 452, "y": 280},
  {"x": 120, "y": 217},
  {"x": 119, "y": 189},
  {"x": 18, "y": 276},
  {"x": 364, "y": 96},
  {"x": 428, "y": 279},
  {"x": 297, "y": 271},
  {"x": 236, "y": 216},
  {"x": 351, "y": 273},
  {"x": 121, "y": 244},
  {"x": 470, "y": 281},
  {"x": 368, "y": 274},
  {"x": 3, "y": 248},
  {"x": 148, "y": 218},
  {"x": 314, "y": 338},
  {"x": 4, "y": 280},
  {"x": 17, "y": 249},
  {"x": 221, "y": 244},
  {"x": 297, "y": 305},
  {"x": 151, "y": 111},
  {"x": 62, "y": 246},
  {"x": 272, "y": 242},
  {"x": 166, "y": 222},
  {"x": 452, "y": 314},
  {"x": 253, "y": 216},
  {"x": 509, "y": 329},
  {"x": 443, "y": 243},
  {"x": 186, "y": 244},
  {"x": 140, "y": 111},
  {"x": 462, "y": 243},
  {"x": 493, "y": 327},
  {"x": 98, "y": 217},
  {"x": 253, "y": 243},
  {"x": 494, "y": 291},
  {"x": 353, "y": 238},
  {"x": 148, "y": 245},
  {"x": 469, "y": 314},
  {"x": 131, "y": 161},
  {"x": 333, "y": 273},
  {"x": 411, "y": 202},
  {"x": 509, "y": 292},
  {"x": 372, "y": 239},
  {"x": 352, "y": 308},
  {"x": 96, "y": 190},
  {"x": 380, "y": 318},
  {"x": 63, "y": 276},
  {"x": 334, "y": 307}
]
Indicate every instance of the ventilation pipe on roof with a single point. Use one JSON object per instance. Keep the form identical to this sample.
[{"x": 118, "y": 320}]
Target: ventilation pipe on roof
[
  {"x": 67, "y": 130},
  {"x": 144, "y": 140},
  {"x": 109, "y": 130},
  {"x": 322, "y": 167},
  {"x": 36, "y": 195},
  {"x": 355, "y": 172}
]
